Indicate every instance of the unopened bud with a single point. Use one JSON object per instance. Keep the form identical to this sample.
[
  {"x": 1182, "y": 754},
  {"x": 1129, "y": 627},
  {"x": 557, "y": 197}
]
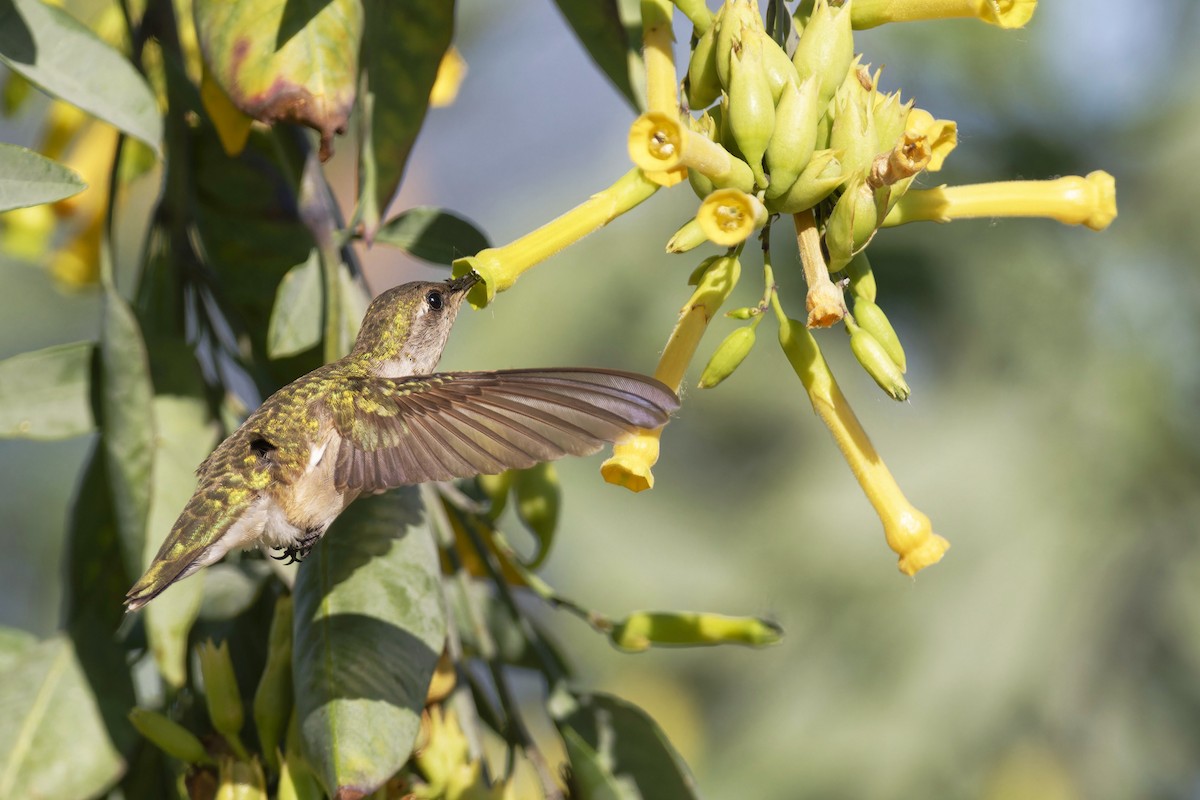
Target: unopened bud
[
  {"x": 221, "y": 689},
  {"x": 689, "y": 236},
  {"x": 241, "y": 780},
  {"x": 169, "y": 736},
  {"x": 751, "y": 108},
  {"x": 825, "y": 49},
  {"x": 872, "y": 319},
  {"x": 876, "y": 361},
  {"x": 778, "y": 67},
  {"x": 862, "y": 279},
  {"x": 747, "y": 312},
  {"x": 819, "y": 179},
  {"x": 273, "y": 698},
  {"x": 643, "y": 629},
  {"x": 703, "y": 85},
  {"x": 856, "y": 216},
  {"x": 795, "y": 138},
  {"x": 728, "y": 356},
  {"x": 735, "y": 19}
]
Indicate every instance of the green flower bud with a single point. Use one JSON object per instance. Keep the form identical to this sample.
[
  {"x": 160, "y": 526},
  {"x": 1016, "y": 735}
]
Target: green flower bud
[
  {"x": 751, "y": 109},
  {"x": 221, "y": 692},
  {"x": 538, "y": 497},
  {"x": 890, "y": 116},
  {"x": 736, "y": 18},
  {"x": 705, "y": 265},
  {"x": 818, "y": 180},
  {"x": 795, "y": 138},
  {"x": 703, "y": 85},
  {"x": 689, "y": 236},
  {"x": 240, "y": 780},
  {"x": 169, "y": 736},
  {"x": 746, "y": 312},
  {"x": 495, "y": 488},
  {"x": 273, "y": 698},
  {"x": 852, "y": 130},
  {"x": 856, "y": 216},
  {"x": 862, "y": 279},
  {"x": 871, "y": 318},
  {"x": 778, "y": 67},
  {"x": 876, "y": 361},
  {"x": 641, "y": 629},
  {"x": 728, "y": 356},
  {"x": 825, "y": 49}
]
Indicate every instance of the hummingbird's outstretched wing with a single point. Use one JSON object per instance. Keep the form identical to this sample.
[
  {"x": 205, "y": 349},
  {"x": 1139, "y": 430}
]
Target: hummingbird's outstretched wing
[{"x": 398, "y": 431}]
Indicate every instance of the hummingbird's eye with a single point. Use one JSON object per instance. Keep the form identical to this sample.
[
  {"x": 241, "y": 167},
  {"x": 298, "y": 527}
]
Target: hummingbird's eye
[{"x": 434, "y": 300}]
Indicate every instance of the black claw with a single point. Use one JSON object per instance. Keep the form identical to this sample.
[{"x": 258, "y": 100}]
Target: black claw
[{"x": 299, "y": 551}]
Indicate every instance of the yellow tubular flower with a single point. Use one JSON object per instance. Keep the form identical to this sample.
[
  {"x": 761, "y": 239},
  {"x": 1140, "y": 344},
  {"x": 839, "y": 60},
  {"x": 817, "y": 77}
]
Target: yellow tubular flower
[
  {"x": 632, "y": 459},
  {"x": 451, "y": 71},
  {"x": 941, "y": 135},
  {"x": 661, "y": 81},
  {"x": 1090, "y": 201},
  {"x": 909, "y": 533},
  {"x": 499, "y": 267},
  {"x": 658, "y": 142},
  {"x": 729, "y": 216},
  {"x": 1002, "y": 13}
]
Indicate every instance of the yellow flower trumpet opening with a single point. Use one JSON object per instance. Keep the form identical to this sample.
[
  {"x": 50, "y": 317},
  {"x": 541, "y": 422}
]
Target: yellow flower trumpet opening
[
  {"x": 657, "y": 143},
  {"x": 631, "y": 460},
  {"x": 941, "y": 135},
  {"x": 729, "y": 216},
  {"x": 1090, "y": 201},
  {"x": 1002, "y": 13},
  {"x": 499, "y": 267}
]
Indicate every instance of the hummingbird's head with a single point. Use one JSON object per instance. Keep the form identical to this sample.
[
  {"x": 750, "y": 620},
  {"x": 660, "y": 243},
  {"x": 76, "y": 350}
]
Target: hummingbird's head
[{"x": 406, "y": 328}]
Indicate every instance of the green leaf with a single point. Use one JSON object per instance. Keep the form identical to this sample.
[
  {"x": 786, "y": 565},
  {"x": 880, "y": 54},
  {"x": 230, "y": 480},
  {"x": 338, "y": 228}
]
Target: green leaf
[
  {"x": 44, "y": 394},
  {"x": 433, "y": 234},
  {"x": 296, "y": 319},
  {"x": 285, "y": 60},
  {"x": 369, "y": 628},
  {"x": 127, "y": 423},
  {"x": 617, "y": 751},
  {"x": 13, "y": 643},
  {"x": 56, "y": 52},
  {"x": 29, "y": 179},
  {"x": 186, "y": 435},
  {"x": 403, "y": 45},
  {"x": 94, "y": 586},
  {"x": 611, "y": 30},
  {"x": 53, "y": 742},
  {"x": 354, "y": 300}
]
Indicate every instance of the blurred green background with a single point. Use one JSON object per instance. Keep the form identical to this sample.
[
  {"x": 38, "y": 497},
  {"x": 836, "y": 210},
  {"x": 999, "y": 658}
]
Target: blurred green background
[{"x": 1052, "y": 434}]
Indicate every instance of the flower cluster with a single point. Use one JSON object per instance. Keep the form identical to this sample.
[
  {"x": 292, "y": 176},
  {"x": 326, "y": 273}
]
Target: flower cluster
[{"x": 779, "y": 116}]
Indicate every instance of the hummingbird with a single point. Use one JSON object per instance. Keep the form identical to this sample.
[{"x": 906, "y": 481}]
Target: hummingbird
[{"x": 381, "y": 418}]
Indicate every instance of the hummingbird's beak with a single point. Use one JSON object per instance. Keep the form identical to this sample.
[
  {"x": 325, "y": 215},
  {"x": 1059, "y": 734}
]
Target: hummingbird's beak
[{"x": 464, "y": 283}]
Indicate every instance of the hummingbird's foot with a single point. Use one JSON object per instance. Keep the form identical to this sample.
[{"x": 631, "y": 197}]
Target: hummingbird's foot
[{"x": 299, "y": 551}]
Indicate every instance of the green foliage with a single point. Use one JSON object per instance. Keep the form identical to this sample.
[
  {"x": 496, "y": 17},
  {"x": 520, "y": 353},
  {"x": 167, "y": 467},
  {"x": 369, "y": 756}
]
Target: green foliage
[{"x": 29, "y": 179}]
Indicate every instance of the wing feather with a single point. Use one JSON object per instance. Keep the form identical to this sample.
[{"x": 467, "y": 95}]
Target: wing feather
[{"x": 437, "y": 427}]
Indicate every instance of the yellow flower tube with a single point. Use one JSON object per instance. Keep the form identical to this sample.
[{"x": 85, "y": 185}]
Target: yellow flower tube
[
  {"x": 1090, "y": 201},
  {"x": 659, "y": 142},
  {"x": 499, "y": 267},
  {"x": 1002, "y": 13},
  {"x": 632, "y": 459},
  {"x": 909, "y": 532},
  {"x": 661, "y": 82}
]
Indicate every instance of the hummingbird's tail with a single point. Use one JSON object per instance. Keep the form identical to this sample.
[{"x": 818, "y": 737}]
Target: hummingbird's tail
[{"x": 197, "y": 539}]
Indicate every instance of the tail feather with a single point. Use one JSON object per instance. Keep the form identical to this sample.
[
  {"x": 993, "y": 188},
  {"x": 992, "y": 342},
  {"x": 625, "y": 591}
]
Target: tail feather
[{"x": 198, "y": 538}]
